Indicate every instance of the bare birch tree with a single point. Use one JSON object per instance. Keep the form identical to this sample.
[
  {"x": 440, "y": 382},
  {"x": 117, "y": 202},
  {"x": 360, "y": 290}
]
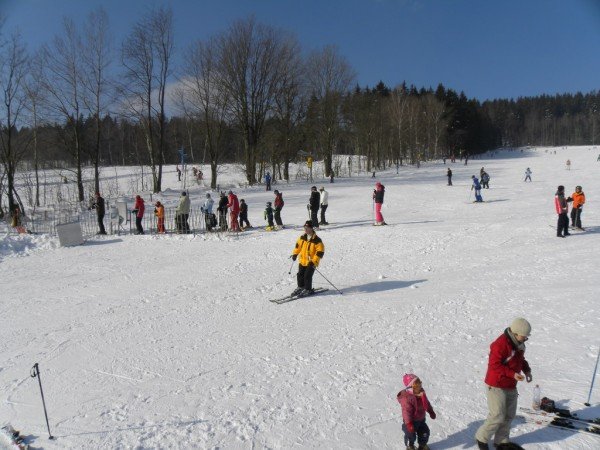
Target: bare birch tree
[
  {"x": 13, "y": 65},
  {"x": 146, "y": 56},
  {"x": 330, "y": 76},
  {"x": 63, "y": 85},
  {"x": 96, "y": 59},
  {"x": 35, "y": 100},
  {"x": 250, "y": 63},
  {"x": 290, "y": 101},
  {"x": 207, "y": 100}
]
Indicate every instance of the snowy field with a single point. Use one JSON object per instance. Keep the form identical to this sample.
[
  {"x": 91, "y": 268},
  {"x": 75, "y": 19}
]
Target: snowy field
[{"x": 170, "y": 342}]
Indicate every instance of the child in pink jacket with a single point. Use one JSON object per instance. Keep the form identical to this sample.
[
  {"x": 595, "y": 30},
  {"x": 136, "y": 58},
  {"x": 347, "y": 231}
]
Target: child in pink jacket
[{"x": 414, "y": 405}]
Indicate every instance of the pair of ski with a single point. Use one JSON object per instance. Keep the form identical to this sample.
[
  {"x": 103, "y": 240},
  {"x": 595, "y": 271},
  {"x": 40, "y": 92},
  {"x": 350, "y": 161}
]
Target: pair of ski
[
  {"x": 563, "y": 420},
  {"x": 289, "y": 298},
  {"x": 11, "y": 437}
]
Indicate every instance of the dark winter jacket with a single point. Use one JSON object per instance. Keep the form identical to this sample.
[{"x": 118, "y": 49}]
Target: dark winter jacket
[
  {"x": 243, "y": 208},
  {"x": 476, "y": 184},
  {"x": 279, "y": 202},
  {"x": 378, "y": 193},
  {"x": 99, "y": 206},
  {"x": 222, "y": 204},
  {"x": 506, "y": 358},
  {"x": 268, "y": 213},
  {"x": 315, "y": 200}
]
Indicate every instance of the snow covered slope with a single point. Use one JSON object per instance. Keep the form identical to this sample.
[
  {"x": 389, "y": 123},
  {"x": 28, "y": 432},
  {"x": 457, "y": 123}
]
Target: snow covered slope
[{"x": 170, "y": 341}]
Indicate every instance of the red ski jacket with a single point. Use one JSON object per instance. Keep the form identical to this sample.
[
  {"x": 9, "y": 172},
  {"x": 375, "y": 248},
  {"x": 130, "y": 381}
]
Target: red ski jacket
[
  {"x": 505, "y": 360},
  {"x": 233, "y": 204}
]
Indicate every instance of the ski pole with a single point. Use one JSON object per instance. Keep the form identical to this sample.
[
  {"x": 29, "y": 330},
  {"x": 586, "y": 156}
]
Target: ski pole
[
  {"x": 290, "y": 271},
  {"x": 470, "y": 192},
  {"x": 328, "y": 281},
  {"x": 35, "y": 372},
  {"x": 593, "y": 378}
]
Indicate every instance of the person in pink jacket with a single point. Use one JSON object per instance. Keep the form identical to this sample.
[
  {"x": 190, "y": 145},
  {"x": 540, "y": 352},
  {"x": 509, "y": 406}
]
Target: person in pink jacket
[{"x": 414, "y": 405}]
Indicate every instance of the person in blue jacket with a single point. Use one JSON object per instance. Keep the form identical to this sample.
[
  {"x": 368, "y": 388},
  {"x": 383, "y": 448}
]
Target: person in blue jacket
[
  {"x": 268, "y": 180},
  {"x": 477, "y": 188}
]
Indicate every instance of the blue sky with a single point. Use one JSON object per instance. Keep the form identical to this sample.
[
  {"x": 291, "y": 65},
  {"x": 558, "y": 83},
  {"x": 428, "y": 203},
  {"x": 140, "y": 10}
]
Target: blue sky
[{"x": 486, "y": 48}]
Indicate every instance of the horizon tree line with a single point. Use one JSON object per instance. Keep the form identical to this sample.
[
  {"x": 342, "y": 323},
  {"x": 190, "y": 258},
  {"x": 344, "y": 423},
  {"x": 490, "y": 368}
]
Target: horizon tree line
[{"x": 249, "y": 95}]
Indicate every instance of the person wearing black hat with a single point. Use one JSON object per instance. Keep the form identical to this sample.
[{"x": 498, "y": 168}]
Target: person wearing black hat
[
  {"x": 222, "y": 209},
  {"x": 98, "y": 205},
  {"x": 562, "y": 208},
  {"x": 310, "y": 249},
  {"x": 313, "y": 206}
]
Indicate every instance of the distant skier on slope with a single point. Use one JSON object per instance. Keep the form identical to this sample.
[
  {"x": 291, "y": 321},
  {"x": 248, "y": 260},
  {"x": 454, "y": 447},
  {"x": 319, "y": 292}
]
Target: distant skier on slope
[
  {"x": 414, "y": 405},
  {"x": 278, "y": 207},
  {"x": 485, "y": 180},
  {"x": 244, "y": 223},
  {"x": 477, "y": 187},
  {"x": 311, "y": 249},
  {"x": 324, "y": 203},
  {"x": 578, "y": 199},
  {"x": 313, "y": 206},
  {"x": 378, "y": 195},
  {"x": 562, "y": 209},
  {"x": 449, "y": 175},
  {"x": 222, "y": 209},
  {"x": 527, "y": 174},
  {"x": 268, "y": 215},
  {"x": 234, "y": 207}
]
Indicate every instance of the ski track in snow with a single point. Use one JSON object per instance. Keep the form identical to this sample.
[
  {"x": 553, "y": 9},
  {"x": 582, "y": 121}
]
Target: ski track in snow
[{"x": 160, "y": 342}]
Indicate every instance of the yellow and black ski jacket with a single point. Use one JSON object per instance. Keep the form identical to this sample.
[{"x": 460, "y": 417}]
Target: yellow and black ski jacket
[{"x": 309, "y": 249}]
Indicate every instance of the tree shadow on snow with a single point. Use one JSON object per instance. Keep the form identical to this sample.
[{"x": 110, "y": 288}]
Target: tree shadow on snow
[
  {"x": 134, "y": 427},
  {"x": 379, "y": 286}
]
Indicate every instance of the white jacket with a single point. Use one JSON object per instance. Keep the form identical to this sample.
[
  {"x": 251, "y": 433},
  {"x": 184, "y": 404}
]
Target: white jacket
[
  {"x": 324, "y": 197},
  {"x": 208, "y": 205}
]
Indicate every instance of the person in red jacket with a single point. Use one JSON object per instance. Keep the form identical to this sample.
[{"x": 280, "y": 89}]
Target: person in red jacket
[
  {"x": 414, "y": 405},
  {"x": 138, "y": 210},
  {"x": 506, "y": 367},
  {"x": 234, "y": 208}
]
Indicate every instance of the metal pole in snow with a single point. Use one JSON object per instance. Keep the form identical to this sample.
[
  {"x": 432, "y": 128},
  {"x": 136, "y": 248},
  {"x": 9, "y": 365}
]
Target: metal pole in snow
[
  {"x": 593, "y": 378},
  {"x": 35, "y": 372}
]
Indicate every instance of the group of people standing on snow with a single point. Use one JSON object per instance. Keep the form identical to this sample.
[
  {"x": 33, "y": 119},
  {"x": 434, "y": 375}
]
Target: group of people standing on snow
[
  {"x": 562, "y": 209},
  {"x": 506, "y": 367}
]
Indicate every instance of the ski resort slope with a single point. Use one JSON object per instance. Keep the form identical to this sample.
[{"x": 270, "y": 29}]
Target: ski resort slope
[{"x": 170, "y": 342}]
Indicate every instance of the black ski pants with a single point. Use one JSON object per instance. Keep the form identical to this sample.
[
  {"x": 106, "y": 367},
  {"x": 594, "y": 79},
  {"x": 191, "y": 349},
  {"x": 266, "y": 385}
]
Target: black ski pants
[
  {"x": 101, "y": 224},
  {"x": 305, "y": 275},
  {"x": 138, "y": 225},
  {"x": 576, "y": 217},
  {"x": 314, "y": 217},
  {"x": 323, "y": 209},
  {"x": 562, "y": 227},
  {"x": 244, "y": 219},
  {"x": 278, "y": 217}
]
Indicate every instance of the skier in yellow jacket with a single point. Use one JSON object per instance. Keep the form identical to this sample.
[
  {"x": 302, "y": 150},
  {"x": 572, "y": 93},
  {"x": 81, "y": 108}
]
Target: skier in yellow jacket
[{"x": 310, "y": 248}]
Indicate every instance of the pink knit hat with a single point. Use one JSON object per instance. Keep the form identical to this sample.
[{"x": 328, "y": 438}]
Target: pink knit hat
[{"x": 408, "y": 379}]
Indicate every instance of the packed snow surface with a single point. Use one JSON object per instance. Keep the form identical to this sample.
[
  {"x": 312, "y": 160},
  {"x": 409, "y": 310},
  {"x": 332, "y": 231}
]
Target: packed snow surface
[{"x": 165, "y": 342}]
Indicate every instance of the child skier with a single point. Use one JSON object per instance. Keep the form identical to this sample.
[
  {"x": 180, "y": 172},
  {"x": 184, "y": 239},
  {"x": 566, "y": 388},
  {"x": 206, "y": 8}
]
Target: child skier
[
  {"x": 414, "y": 405},
  {"x": 269, "y": 217},
  {"x": 244, "y": 215},
  {"x": 477, "y": 188}
]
